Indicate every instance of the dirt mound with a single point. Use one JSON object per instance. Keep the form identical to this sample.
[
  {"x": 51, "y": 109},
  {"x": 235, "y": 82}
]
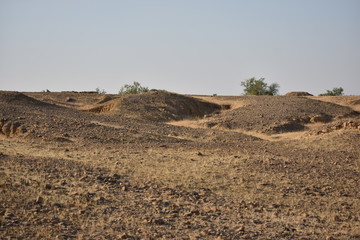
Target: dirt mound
[
  {"x": 279, "y": 114},
  {"x": 157, "y": 106},
  {"x": 16, "y": 98},
  {"x": 105, "y": 99},
  {"x": 298, "y": 94}
]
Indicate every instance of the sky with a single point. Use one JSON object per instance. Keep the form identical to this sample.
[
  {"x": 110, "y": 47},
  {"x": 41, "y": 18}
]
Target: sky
[{"x": 184, "y": 46}]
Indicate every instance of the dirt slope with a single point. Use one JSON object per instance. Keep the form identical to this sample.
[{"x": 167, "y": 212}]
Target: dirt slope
[
  {"x": 157, "y": 106},
  {"x": 16, "y": 98},
  {"x": 279, "y": 114},
  {"x": 348, "y": 101}
]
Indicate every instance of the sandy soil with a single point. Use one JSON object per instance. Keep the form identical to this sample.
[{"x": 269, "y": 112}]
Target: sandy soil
[{"x": 166, "y": 166}]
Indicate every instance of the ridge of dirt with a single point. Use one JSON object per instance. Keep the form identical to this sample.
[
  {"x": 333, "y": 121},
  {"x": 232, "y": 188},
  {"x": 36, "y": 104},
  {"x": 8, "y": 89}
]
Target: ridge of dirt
[
  {"x": 279, "y": 114},
  {"x": 69, "y": 99},
  {"x": 157, "y": 106},
  {"x": 17, "y": 98},
  {"x": 352, "y": 102}
]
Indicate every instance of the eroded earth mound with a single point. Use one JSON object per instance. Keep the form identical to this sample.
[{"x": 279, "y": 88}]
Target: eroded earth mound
[
  {"x": 17, "y": 98},
  {"x": 157, "y": 106},
  {"x": 268, "y": 114},
  {"x": 298, "y": 94}
]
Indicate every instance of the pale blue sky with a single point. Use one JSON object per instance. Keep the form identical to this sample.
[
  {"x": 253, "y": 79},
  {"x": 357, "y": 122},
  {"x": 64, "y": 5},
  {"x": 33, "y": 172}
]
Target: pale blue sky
[{"x": 184, "y": 46}]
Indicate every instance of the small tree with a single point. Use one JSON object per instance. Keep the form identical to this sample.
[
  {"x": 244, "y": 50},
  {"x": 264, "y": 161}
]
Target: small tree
[
  {"x": 135, "y": 88},
  {"x": 335, "y": 92},
  {"x": 254, "y": 86},
  {"x": 99, "y": 91}
]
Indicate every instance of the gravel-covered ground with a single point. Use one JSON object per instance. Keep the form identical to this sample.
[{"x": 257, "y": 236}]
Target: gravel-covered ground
[{"x": 68, "y": 171}]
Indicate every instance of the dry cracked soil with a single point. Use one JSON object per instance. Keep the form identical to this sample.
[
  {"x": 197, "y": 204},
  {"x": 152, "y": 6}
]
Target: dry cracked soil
[{"x": 159, "y": 165}]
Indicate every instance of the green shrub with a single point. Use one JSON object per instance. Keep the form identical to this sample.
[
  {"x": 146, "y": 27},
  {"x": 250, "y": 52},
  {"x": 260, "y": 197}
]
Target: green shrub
[
  {"x": 135, "y": 88},
  {"x": 335, "y": 92},
  {"x": 100, "y": 91},
  {"x": 254, "y": 86}
]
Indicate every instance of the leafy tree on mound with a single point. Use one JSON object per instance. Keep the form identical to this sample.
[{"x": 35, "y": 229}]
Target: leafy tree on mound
[
  {"x": 335, "y": 92},
  {"x": 100, "y": 91},
  {"x": 135, "y": 88},
  {"x": 255, "y": 86}
]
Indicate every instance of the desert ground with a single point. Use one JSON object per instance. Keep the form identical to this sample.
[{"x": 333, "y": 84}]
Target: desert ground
[{"x": 160, "y": 165}]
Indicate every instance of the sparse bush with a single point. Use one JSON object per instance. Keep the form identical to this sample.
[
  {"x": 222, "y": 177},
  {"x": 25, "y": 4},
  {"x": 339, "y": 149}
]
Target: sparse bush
[
  {"x": 335, "y": 92},
  {"x": 100, "y": 91},
  {"x": 135, "y": 88},
  {"x": 254, "y": 86}
]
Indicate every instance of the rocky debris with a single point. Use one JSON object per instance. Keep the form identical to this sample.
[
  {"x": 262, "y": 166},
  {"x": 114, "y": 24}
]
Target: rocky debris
[
  {"x": 69, "y": 99},
  {"x": 11, "y": 128},
  {"x": 145, "y": 211},
  {"x": 320, "y": 118},
  {"x": 286, "y": 126},
  {"x": 352, "y": 124},
  {"x": 102, "y": 109}
]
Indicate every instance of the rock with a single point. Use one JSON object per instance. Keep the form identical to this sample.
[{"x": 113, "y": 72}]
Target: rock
[
  {"x": 8, "y": 215},
  {"x": 21, "y": 130},
  {"x": 337, "y": 127},
  {"x": 241, "y": 229},
  {"x": 325, "y": 130},
  {"x": 6, "y": 128},
  {"x": 125, "y": 236},
  {"x": 159, "y": 221},
  {"x": 330, "y": 238},
  {"x": 116, "y": 176},
  {"x": 59, "y": 205},
  {"x": 14, "y": 126},
  {"x": 2, "y": 122},
  {"x": 69, "y": 99},
  {"x": 304, "y": 119},
  {"x": 62, "y": 139},
  {"x": 320, "y": 118},
  {"x": 39, "y": 200}
]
